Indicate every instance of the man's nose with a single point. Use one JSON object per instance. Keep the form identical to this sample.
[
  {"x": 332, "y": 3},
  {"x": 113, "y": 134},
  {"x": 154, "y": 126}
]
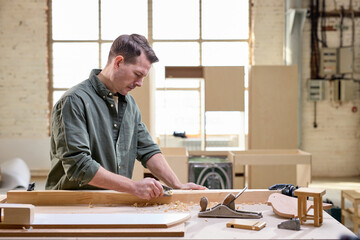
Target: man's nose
[{"x": 139, "y": 82}]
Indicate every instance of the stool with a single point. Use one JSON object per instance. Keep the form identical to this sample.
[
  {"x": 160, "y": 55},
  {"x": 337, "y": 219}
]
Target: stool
[
  {"x": 302, "y": 194},
  {"x": 354, "y": 197}
]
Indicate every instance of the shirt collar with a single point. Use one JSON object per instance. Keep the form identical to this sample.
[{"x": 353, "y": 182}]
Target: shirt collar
[{"x": 99, "y": 86}]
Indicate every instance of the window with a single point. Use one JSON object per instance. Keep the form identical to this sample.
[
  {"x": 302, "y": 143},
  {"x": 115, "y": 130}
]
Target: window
[
  {"x": 182, "y": 33},
  {"x": 186, "y": 33},
  {"x": 81, "y": 35}
]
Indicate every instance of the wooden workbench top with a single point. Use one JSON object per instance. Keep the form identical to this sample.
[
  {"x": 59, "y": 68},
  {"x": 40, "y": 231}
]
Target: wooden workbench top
[{"x": 215, "y": 228}]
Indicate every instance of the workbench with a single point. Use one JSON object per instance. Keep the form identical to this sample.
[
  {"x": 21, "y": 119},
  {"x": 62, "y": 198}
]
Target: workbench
[{"x": 209, "y": 228}]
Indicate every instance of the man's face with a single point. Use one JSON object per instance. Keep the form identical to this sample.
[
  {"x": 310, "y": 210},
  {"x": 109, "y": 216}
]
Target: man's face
[{"x": 127, "y": 76}]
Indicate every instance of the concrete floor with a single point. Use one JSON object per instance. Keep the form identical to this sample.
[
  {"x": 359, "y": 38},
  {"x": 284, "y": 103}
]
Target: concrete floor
[{"x": 333, "y": 188}]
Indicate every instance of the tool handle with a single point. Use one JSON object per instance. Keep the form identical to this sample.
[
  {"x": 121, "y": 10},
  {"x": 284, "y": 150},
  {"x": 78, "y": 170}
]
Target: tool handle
[{"x": 238, "y": 195}]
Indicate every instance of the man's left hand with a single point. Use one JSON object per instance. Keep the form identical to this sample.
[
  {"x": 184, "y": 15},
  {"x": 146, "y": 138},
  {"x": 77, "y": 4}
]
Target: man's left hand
[{"x": 193, "y": 186}]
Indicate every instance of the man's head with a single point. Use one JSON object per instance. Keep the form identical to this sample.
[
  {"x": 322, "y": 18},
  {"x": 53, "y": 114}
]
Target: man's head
[
  {"x": 131, "y": 47},
  {"x": 129, "y": 62}
]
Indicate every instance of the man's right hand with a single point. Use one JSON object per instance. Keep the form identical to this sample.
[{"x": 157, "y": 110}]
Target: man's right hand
[{"x": 148, "y": 188}]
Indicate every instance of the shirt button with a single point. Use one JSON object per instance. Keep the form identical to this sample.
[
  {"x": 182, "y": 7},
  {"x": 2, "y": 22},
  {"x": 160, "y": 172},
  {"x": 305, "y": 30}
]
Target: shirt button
[
  {"x": 119, "y": 166},
  {"x": 112, "y": 105},
  {"x": 104, "y": 97},
  {"x": 110, "y": 94},
  {"x": 115, "y": 125}
]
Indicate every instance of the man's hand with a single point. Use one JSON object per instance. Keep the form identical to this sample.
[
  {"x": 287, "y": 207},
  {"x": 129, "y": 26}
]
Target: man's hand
[
  {"x": 148, "y": 188},
  {"x": 190, "y": 185}
]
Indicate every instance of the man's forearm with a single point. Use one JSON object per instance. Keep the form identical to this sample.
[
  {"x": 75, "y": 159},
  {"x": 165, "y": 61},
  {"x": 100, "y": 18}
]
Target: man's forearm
[
  {"x": 158, "y": 166},
  {"x": 108, "y": 180},
  {"x": 147, "y": 188}
]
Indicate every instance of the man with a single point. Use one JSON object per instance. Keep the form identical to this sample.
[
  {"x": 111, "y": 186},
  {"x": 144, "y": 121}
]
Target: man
[{"x": 97, "y": 132}]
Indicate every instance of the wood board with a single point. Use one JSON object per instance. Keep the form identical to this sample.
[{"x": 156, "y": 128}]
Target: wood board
[
  {"x": 96, "y": 220},
  {"x": 246, "y": 224},
  {"x": 220, "y": 80},
  {"x": 287, "y": 207},
  {"x": 273, "y": 121},
  {"x": 69, "y": 197},
  {"x": 175, "y": 231}
]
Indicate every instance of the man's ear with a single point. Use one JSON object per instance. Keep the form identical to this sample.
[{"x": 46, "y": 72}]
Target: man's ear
[{"x": 118, "y": 60}]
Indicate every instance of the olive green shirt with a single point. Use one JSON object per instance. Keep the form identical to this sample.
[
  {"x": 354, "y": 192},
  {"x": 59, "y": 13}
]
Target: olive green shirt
[{"x": 87, "y": 132}]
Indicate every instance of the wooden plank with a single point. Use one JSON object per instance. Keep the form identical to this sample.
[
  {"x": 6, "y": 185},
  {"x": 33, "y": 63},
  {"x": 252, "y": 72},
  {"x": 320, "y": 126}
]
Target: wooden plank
[
  {"x": 272, "y": 157},
  {"x": 220, "y": 80},
  {"x": 184, "y": 72},
  {"x": 175, "y": 231},
  {"x": 17, "y": 214},
  {"x": 96, "y": 220},
  {"x": 246, "y": 224},
  {"x": 68, "y": 197},
  {"x": 273, "y": 104}
]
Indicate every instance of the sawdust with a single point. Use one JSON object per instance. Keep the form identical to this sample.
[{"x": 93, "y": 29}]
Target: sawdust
[{"x": 177, "y": 206}]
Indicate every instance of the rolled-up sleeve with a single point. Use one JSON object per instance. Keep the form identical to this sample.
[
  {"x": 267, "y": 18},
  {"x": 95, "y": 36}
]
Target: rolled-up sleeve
[{"x": 71, "y": 141}]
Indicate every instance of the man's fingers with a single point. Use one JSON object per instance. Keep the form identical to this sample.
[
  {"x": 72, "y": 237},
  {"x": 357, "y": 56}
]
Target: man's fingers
[{"x": 153, "y": 188}]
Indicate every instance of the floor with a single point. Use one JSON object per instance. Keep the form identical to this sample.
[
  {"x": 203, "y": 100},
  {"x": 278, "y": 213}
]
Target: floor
[{"x": 333, "y": 188}]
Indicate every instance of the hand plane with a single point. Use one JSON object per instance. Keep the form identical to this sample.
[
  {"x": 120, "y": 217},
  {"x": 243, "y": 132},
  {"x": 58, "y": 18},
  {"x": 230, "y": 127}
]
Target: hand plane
[
  {"x": 226, "y": 209},
  {"x": 167, "y": 191}
]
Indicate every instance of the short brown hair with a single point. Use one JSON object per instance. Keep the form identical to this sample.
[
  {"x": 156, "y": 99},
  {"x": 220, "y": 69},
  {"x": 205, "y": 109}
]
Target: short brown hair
[{"x": 130, "y": 47}]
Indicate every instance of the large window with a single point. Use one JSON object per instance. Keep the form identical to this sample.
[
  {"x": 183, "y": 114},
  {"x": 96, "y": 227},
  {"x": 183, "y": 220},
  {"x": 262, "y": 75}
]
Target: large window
[
  {"x": 81, "y": 35},
  {"x": 182, "y": 33}
]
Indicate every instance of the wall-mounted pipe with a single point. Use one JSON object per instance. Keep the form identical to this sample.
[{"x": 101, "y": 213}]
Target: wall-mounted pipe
[{"x": 294, "y": 21}]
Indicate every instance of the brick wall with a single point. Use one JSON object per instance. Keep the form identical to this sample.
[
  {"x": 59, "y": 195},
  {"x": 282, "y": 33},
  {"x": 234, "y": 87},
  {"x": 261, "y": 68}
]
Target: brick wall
[
  {"x": 335, "y": 143},
  {"x": 23, "y": 71},
  {"x": 268, "y": 32}
]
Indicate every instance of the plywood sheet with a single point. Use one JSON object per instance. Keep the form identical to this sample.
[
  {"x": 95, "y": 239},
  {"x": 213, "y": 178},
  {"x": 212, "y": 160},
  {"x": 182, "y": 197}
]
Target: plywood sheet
[
  {"x": 96, "y": 220},
  {"x": 224, "y": 88},
  {"x": 175, "y": 231},
  {"x": 273, "y": 104}
]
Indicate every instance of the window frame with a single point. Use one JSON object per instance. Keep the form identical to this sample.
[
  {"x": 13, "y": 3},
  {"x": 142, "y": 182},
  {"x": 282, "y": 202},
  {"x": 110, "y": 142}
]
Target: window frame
[{"x": 100, "y": 41}]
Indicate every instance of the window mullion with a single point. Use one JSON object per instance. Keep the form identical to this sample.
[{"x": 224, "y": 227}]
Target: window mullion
[{"x": 99, "y": 40}]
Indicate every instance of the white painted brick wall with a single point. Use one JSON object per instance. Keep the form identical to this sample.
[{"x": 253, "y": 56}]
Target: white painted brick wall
[
  {"x": 23, "y": 71},
  {"x": 335, "y": 144},
  {"x": 268, "y": 32}
]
